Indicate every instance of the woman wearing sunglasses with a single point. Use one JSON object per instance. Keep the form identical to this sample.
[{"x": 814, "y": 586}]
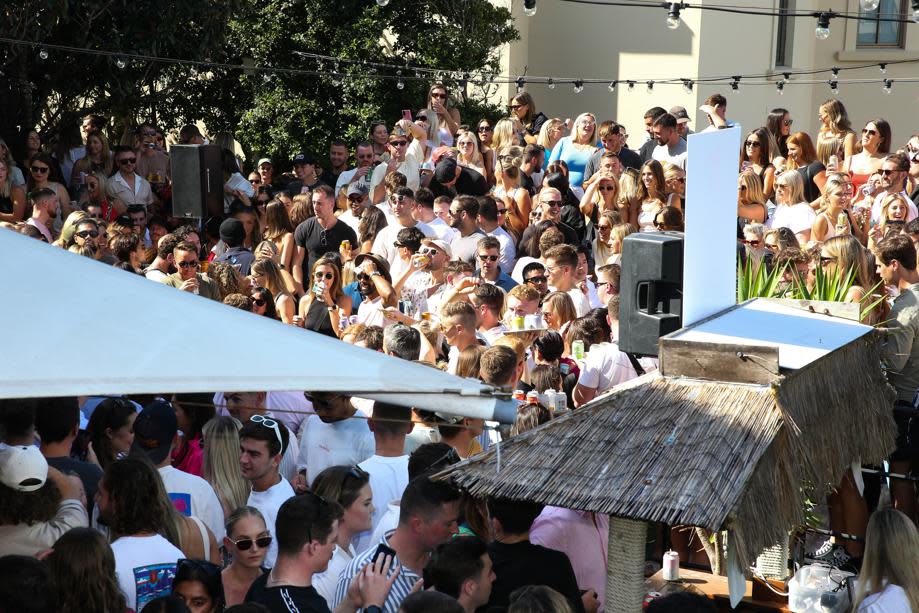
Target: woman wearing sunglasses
[
  {"x": 40, "y": 168},
  {"x": 267, "y": 274},
  {"x": 875, "y": 146},
  {"x": 778, "y": 124},
  {"x": 263, "y": 303},
  {"x": 247, "y": 541},
  {"x": 447, "y": 116},
  {"x": 349, "y": 486},
  {"x": 756, "y": 155},
  {"x": 325, "y": 304}
]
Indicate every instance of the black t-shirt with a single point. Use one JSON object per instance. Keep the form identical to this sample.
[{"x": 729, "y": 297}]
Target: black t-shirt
[
  {"x": 317, "y": 242},
  {"x": 286, "y": 598},
  {"x": 520, "y": 564},
  {"x": 646, "y": 150},
  {"x": 571, "y": 237},
  {"x": 296, "y": 186},
  {"x": 468, "y": 183},
  {"x": 89, "y": 474},
  {"x": 811, "y": 191}
]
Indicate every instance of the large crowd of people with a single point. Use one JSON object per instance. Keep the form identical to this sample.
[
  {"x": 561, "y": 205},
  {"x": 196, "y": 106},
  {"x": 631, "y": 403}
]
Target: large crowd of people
[{"x": 489, "y": 249}]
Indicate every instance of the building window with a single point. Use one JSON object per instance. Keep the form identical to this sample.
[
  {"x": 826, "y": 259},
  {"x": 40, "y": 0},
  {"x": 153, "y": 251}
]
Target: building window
[
  {"x": 785, "y": 33},
  {"x": 872, "y": 33}
]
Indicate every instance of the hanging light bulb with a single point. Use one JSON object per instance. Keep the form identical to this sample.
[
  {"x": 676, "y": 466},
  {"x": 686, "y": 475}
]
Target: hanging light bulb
[
  {"x": 835, "y": 71},
  {"x": 631, "y": 85},
  {"x": 550, "y": 83},
  {"x": 400, "y": 84},
  {"x": 43, "y": 53},
  {"x": 735, "y": 84},
  {"x": 687, "y": 86},
  {"x": 612, "y": 86},
  {"x": 578, "y": 86},
  {"x": 883, "y": 68},
  {"x": 520, "y": 83},
  {"x": 382, "y": 2},
  {"x": 780, "y": 87},
  {"x": 650, "y": 85},
  {"x": 834, "y": 87},
  {"x": 823, "y": 26},
  {"x": 529, "y": 7},
  {"x": 673, "y": 16},
  {"x": 869, "y": 5},
  {"x": 120, "y": 63},
  {"x": 888, "y": 85}
]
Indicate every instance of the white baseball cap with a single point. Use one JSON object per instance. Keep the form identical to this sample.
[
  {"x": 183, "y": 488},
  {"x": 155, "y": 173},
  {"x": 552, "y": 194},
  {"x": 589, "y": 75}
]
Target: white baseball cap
[{"x": 23, "y": 468}]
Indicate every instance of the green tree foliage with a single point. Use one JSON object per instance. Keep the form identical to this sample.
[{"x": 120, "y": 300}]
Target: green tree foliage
[{"x": 271, "y": 114}]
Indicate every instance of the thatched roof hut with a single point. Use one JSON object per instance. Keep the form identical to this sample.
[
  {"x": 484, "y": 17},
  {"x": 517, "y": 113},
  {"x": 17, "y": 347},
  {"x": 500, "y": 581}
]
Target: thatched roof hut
[{"x": 713, "y": 454}]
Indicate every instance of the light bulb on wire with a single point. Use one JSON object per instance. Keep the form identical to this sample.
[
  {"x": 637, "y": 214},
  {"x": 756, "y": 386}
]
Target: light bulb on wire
[
  {"x": 834, "y": 87},
  {"x": 687, "y": 86},
  {"x": 43, "y": 53},
  {"x": 578, "y": 86},
  {"x": 650, "y": 85},
  {"x": 520, "y": 83},
  {"x": 883, "y": 68},
  {"x": 673, "y": 16},
  {"x": 529, "y": 7},
  {"x": 612, "y": 86},
  {"x": 382, "y": 3},
  {"x": 780, "y": 87},
  {"x": 869, "y": 5},
  {"x": 888, "y": 85},
  {"x": 120, "y": 63},
  {"x": 550, "y": 83},
  {"x": 822, "y": 32}
]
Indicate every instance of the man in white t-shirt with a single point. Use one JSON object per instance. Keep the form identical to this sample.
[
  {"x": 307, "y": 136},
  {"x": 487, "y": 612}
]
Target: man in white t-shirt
[
  {"x": 156, "y": 434},
  {"x": 388, "y": 466},
  {"x": 423, "y": 211},
  {"x": 491, "y": 217},
  {"x": 403, "y": 159},
  {"x": 359, "y": 175},
  {"x": 357, "y": 201},
  {"x": 670, "y": 147},
  {"x": 606, "y": 365},
  {"x": 561, "y": 264},
  {"x": 291, "y": 411},
  {"x": 894, "y": 173},
  {"x": 401, "y": 203},
  {"x": 145, "y": 562},
  {"x": 333, "y": 436},
  {"x": 262, "y": 442}
]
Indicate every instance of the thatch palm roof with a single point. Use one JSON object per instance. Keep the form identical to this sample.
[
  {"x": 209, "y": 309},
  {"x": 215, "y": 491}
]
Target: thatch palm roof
[{"x": 701, "y": 453}]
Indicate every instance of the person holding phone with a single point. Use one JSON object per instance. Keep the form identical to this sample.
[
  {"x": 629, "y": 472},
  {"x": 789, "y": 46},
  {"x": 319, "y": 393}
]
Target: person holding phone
[{"x": 448, "y": 117}]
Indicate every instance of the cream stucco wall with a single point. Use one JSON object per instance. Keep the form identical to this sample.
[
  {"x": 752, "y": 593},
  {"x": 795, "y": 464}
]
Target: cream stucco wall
[{"x": 566, "y": 40}]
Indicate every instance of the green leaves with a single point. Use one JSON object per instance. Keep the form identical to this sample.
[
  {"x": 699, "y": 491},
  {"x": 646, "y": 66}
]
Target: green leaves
[{"x": 755, "y": 280}]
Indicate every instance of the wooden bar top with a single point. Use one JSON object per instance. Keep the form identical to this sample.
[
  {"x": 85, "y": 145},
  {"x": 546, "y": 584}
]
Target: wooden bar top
[{"x": 715, "y": 588}]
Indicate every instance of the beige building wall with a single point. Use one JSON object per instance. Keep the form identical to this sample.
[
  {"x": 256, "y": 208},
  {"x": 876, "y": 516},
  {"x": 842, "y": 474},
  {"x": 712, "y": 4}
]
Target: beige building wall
[{"x": 570, "y": 41}]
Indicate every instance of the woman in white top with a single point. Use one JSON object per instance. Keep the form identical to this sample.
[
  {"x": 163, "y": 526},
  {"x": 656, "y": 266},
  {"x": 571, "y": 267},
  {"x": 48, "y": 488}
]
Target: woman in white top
[
  {"x": 349, "y": 486},
  {"x": 792, "y": 211},
  {"x": 889, "y": 581},
  {"x": 448, "y": 117},
  {"x": 835, "y": 203},
  {"x": 651, "y": 197}
]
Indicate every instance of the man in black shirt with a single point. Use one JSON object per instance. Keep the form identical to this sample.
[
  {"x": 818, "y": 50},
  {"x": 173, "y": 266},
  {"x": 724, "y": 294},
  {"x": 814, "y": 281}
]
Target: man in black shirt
[
  {"x": 318, "y": 235},
  {"x": 307, "y": 177},
  {"x": 306, "y": 530},
  {"x": 550, "y": 201},
  {"x": 451, "y": 179},
  {"x": 57, "y": 421},
  {"x": 648, "y": 147},
  {"x": 518, "y": 562}
]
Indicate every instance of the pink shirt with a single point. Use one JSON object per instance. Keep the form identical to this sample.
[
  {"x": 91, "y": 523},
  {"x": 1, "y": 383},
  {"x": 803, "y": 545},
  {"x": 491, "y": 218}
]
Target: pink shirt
[
  {"x": 583, "y": 537},
  {"x": 41, "y": 228}
]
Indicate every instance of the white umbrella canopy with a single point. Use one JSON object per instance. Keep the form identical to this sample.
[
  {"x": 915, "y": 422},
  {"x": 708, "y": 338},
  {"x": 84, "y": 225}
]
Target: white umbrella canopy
[{"x": 76, "y": 327}]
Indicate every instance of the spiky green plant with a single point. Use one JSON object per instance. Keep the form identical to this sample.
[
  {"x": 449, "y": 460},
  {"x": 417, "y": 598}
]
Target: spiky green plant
[{"x": 755, "y": 280}]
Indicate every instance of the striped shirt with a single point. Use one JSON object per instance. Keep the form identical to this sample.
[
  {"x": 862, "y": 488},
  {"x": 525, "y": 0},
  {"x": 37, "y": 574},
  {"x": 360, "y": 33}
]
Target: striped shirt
[{"x": 400, "y": 589}]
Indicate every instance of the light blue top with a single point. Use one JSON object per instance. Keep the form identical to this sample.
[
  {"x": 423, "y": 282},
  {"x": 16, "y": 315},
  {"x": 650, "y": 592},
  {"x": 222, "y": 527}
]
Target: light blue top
[{"x": 575, "y": 157}]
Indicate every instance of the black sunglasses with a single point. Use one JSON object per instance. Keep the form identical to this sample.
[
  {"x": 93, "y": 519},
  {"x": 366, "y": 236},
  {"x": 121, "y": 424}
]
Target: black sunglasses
[
  {"x": 537, "y": 279},
  {"x": 488, "y": 258},
  {"x": 188, "y": 264},
  {"x": 39, "y": 169},
  {"x": 245, "y": 544},
  {"x": 259, "y": 302},
  {"x": 321, "y": 275},
  {"x": 87, "y": 233},
  {"x": 125, "y": 161}
]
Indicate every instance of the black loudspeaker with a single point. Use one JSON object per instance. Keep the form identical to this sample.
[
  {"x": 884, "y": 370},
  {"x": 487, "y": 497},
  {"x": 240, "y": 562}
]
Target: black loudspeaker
[
  {"x": 651, "y": 290},
  {"x": 197, "y": 181}
]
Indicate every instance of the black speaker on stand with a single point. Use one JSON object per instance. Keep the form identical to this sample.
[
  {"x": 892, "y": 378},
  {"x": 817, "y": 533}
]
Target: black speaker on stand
[
  {"x": 197, "y": 181},
  {"x": 651, "y": 290}
]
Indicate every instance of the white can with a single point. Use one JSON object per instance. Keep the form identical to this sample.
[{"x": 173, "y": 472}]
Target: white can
[{"x": 671, "y": 566}]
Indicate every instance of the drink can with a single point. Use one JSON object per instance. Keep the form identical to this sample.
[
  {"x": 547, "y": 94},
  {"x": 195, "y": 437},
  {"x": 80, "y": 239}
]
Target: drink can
[
  {"x": 577, "y": 350},
  {"x": 548, "y": 399},
  {"x": 561, "y": 402},
  {"x": 345, "y": 245},
  {"x": 519, "y": 395},
  {"x": 671, "y": 568},
  {"x": 533, "y": 397}
]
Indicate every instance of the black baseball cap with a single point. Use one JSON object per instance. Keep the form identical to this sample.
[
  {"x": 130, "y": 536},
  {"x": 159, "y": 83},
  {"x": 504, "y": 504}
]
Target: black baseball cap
[
  {"x": 154, "y": 430},
  {"x": 303, "y": 158}
]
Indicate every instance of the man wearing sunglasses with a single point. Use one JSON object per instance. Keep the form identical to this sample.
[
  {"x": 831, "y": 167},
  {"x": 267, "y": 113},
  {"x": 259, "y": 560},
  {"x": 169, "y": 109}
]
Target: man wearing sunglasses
[
  {"x": 491, "y": 219},
  {"x": 375, "y": 286},
  {"x": 126, "y": 187},
  {"x": 262, "y": 442},
  {"x": 319, "y": 234},
  {"x": 534, "y": 275},
  {"x": 488, "y": 255},
  {"x": 401, "y": 203},
  {"x": 405, "y": 157},
  {"x": 152, "y": 162},
  {"x": 187, "y": 278},
  {"x": 550, "y": 207},
  {"x": 359, "y": 175},
  {"x": 894, "y": 172}
]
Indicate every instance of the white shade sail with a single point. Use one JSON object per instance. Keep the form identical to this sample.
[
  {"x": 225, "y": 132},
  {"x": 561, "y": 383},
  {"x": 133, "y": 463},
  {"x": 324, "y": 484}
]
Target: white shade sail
[{"x": 73, "y": 326}]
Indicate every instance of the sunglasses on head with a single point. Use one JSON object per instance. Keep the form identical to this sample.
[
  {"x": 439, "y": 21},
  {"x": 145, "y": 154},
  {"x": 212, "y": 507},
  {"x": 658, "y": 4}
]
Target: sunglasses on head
[
  {"x": 323, "y": 275},
  {"x": 245, "y": 544}
]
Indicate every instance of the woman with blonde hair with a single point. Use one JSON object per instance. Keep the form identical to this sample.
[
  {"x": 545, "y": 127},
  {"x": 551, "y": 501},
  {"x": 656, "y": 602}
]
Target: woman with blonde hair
[
  {"x": 220, "y": 465},
  {"x": 98, "y": 158},
  {"x": 558, "y": 310},
  {"x": 267, "y": 274},
  {"x": 629, "y": 198},
  {"x": 889, "y": 579},
  {"x": 651, "y": 195},
  {"x": 600, "y": 194},
  {"x": 835, "y": 136},
  {"x": 751, "y": 202},
  {"x": 12, "y": 197},
  {"x": 325, "y": 304},
  {"x": 538, "y": 599},
  {"x": 674, "y": 184},
  {"x": 467, "y": 143},
  {"x": 280, "y": 231},
  {"x": 793, "y": 211},
  {"x": 7, "y": 156},
  {"x": 507, "y": 189},
  {"x": 575, "y": 150},
  {"x": 894, "y": 208},
  {"x": 602, "y": 245},
  {"x": 550, "y": 133},
  {"x": 504, "y": 135},
  {"x": 835, "y": 205},
  {"x": 616, "y": 236}
]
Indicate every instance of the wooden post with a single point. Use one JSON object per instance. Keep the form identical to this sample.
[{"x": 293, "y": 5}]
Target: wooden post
[{"x": 625, "y": 571}]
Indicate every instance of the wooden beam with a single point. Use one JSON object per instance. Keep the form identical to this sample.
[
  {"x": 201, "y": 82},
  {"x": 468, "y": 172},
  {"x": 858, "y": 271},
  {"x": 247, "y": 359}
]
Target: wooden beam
[
  {"x": 733, "y": 363},
  {"x": 844, "y": 310}
]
